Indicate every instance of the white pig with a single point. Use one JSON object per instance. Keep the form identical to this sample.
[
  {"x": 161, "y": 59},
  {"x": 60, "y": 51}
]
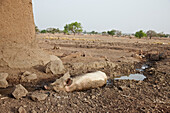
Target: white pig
[{"x": 82, "y": 82}]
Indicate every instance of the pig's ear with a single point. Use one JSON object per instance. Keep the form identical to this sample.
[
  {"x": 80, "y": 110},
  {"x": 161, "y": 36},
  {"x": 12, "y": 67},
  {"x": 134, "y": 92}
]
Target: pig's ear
[{"x": 66, "y": 75}]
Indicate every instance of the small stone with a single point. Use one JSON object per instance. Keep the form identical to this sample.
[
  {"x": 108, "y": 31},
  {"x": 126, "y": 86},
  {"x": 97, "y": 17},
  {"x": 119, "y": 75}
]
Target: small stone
[
  {"x": 38, "y": 96},
  {"x": 93, "y": 97},
  {"x": 3, "y": 81},
  {"x": 31, "y": 77},
  {"x": 123, "y": 88},
  {"x": 33, "y": 111},
  {"x": 28, "y": 76},
  {"x": 22, "y": 110},
  {"x": 24, "y": 106},
  {"x": 41, "y": 109},
  {"x": 19, "y": 91},
  {"x": 58, "y": 105},
  {"x": 26, "y": 73}
]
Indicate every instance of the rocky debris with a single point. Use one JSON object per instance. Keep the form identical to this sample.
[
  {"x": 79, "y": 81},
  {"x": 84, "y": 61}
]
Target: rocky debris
[
  {"x": 38, "y": 96},
  {"x": 91, "y": 66},
  {"x": 19, "y": 91},
  {"x": 74, "y": 55},
  {"x": 123, "y": 88},
  {"x": 56, "y": 47},
  {"x": 33, "y": 111},
  {"x": 55, "y": 67},
  {"x": 3, "y": 81},
  {"x": 21, "y": 110},
  {"x": 28, "y": 76}
]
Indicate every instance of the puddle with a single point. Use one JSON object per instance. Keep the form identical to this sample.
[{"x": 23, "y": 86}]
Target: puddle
[
  {"x": 142, "y": 68},
  {"x": 139, "y": 77}
]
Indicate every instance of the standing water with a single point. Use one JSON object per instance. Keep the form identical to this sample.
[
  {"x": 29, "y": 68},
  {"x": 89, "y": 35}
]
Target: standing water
[{"x": 139, "y": 77}]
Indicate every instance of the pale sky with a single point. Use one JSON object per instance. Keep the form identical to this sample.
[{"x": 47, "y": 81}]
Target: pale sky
[{"x": 127, "y": 16}]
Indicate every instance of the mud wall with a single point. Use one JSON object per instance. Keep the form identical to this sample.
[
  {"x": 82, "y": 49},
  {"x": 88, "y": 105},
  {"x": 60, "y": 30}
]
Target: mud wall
[
  {"x": 18, "y": 48},
  {"x": 16, "y": 22}
]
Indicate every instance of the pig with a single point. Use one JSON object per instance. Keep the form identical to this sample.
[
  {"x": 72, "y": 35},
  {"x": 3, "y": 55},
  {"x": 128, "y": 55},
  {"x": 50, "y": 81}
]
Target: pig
[{"x": 82, "y": 82}]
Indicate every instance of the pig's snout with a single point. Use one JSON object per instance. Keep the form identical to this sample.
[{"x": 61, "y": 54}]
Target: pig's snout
[{"x": 67, "y": 88}]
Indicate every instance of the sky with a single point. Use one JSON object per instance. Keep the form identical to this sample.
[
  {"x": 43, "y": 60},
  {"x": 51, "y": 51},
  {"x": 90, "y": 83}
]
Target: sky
[{"x": 127, "y": 16}]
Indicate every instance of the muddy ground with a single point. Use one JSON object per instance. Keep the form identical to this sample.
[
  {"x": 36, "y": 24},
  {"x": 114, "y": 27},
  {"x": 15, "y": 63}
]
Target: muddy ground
[{"x": 116, "y": 56}]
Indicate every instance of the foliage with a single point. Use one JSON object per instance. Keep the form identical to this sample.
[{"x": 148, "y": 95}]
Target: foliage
[
  {"x": 43, "y": 31},
  {"x": 74, "y": 28},
  {"x": 36, "y": 29},
  {"x": 53, "y": 30},
  {"x": 66, "y": 29},
  {"x": 140, "y": 34},
  {"x": 112, "y": 32},
  {"x": 93, "y": 32},
  {"x": 104, "y": 33},
  {"x": 162, "y": 35},
  {"x": 151, "y": 34}
]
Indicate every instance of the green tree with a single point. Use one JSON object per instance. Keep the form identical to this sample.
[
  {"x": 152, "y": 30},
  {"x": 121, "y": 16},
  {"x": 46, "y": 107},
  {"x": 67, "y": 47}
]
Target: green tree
[
  {"x": 36, "y": 29},
  {"x": 162, "y": 35},
  {"x": 43, "y": 31},
  {"x": 93, "y": 32},
  {"x": 58, "y": 30},
  {"x": 51, "y": 30},
  {"x": 74, "y": 28},
  {"x": 112, "y": 32},
  {"x": 104, "y": 33},
  {"x": 85, "y": 32},
  {"x": 140, "y": 34},
  {"x": 151, "y": 34},
  {"x": 66, "y": 29}
]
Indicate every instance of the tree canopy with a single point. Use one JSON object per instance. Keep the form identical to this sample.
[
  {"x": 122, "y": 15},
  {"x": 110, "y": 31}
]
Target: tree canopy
[
  {"x": 140, "y": 34},
  {"x": 74, "y": 28},
  {"x": 112, "y": 32},
  {"x": 151, "y": 34}
]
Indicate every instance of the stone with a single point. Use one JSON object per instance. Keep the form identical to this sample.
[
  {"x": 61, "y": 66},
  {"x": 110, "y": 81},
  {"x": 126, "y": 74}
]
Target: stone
[
  {"x": 28, "y": 76},
  {"x": 123, "y": 88},
  {"x": 93, "y": 97},
  {"x": 22, "y": 110},
  {"x": 33, "y": 111},
  {"x": 53, "y": 58},
  {"x": 3, "y": 81},
  {"x": 19, "y": 91},
  {"x": 55, "y": 67},
  {"x": 38, "y": 96}
]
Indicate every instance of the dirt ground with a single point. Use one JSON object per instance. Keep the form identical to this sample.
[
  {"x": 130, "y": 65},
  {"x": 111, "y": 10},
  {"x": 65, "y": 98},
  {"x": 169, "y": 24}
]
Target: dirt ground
[{"x": 116, "y": 56}]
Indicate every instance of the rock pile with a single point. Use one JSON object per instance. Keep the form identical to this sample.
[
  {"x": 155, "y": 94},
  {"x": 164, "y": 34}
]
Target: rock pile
[{"x": 28, "y": 76}]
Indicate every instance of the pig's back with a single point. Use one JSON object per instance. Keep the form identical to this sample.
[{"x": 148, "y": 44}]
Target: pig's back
[{"x": 95, "y": 76}]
